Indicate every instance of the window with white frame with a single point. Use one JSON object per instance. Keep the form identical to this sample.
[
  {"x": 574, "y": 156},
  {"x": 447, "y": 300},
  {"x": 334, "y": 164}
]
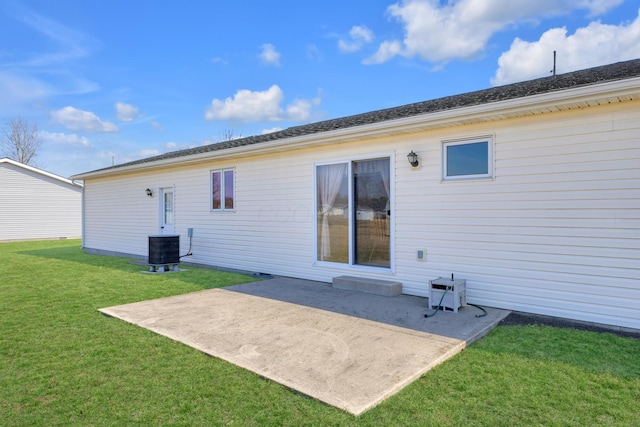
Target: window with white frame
[
  {"x": 222, "y": 185},
  {"x": 467, "y": 159}
]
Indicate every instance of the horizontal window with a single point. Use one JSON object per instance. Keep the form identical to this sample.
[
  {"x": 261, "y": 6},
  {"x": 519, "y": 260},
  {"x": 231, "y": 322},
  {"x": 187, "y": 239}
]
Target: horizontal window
[
  {"x": 222, "y": 196},
  {"x": 467, "y": 159}
]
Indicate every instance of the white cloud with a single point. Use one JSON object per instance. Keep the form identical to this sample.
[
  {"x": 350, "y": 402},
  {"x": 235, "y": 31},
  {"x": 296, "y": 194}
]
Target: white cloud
[
  {"x": 598, "y": 7},
  {"x": 461, "y": 29},
  {"x": 157, "y": 126},
  {"x": 81, "y": 121},
  {"x": 64, "y": 139},
  {"x": 300, "y": 109},
  {"x": 386, "y": 51},
  {"x": 16, "y": 89},
  {"x": 72, "y": 44},
  {"x": 596, "y": 44},
  {"x": 19, "y": 87},
  {"x": 313, "y": 53},
  {"x": 258, "y": 106},
  {"x": 44, "y": 68},
  {"x": 126, "y": 112},
  {"x": 219, "y": 60},
  {"x": 248, "y": 106},
  {"x": 272, "y": 130},
  {"x": 359, "y": 36},
  {"x": 175, "y": 146},
  {"x": 269, "y": 55},
  {"x": 148, "y": 152}
]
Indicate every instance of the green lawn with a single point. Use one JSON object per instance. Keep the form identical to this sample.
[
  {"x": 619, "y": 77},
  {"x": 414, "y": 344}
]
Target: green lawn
[{"x": 62, "y": 363}]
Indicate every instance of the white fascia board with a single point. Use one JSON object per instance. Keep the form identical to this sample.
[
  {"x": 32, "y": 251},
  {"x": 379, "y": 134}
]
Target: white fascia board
[{"x": 628, "y": 87}]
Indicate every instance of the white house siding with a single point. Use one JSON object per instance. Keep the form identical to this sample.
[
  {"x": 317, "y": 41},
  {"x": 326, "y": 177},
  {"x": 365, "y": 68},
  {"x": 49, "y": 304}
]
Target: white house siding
[
  {"x": 555, "y": 232},
  {"x": 119, "y": 214},
  {"x": 37, "y": 206}
]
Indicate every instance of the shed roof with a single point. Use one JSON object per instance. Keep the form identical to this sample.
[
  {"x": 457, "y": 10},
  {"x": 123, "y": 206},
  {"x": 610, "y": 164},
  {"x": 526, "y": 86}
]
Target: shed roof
[
  {"x": 41, "y": 172},
  {"x": 546, "y": 85}
]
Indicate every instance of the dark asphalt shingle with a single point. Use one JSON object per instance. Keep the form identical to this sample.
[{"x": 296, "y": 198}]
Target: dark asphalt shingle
[{"x": 591, "y": 76}]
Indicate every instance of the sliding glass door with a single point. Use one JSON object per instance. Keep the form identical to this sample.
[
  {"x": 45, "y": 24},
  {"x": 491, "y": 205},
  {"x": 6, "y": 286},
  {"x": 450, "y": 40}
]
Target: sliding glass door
[
  {"x": 372, "y": 212},
  {"x": 354, "y": 212}
]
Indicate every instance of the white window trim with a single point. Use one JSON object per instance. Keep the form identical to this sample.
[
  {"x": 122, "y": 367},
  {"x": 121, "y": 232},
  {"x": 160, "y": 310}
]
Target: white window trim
[
  {"x": 490, "y": 156},
  {"x": 222, "y": 190}
]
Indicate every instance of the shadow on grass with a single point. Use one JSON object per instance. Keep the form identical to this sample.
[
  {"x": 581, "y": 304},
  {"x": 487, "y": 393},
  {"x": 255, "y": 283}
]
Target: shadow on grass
[
  {"x": 75, "y": 254},
  {"x": 203, "y": 278}
]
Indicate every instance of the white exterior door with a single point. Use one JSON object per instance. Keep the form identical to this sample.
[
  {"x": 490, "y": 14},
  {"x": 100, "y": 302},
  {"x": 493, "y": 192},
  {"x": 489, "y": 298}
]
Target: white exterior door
[{"x": 166, "y": 211}]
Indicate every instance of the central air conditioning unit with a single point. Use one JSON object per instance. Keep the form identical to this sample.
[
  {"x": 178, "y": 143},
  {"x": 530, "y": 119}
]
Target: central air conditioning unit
[
  {"x": 447, "y": 294},
  {"x": 164, "y": 252}
]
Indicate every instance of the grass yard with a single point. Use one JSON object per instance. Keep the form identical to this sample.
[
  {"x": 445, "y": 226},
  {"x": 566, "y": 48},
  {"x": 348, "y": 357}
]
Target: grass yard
[{"x": 62, "y": 363}]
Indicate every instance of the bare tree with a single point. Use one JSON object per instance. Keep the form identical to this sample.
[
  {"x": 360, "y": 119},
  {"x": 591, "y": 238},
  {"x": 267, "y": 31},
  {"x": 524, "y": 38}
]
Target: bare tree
[
  {"x": 229, "y": 135},
  {"x": 20, "y": 140}
]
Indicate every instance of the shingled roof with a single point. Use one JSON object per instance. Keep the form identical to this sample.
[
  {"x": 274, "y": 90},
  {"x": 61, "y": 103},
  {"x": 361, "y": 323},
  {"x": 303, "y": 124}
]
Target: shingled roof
[{"x": 576, "y": 79}]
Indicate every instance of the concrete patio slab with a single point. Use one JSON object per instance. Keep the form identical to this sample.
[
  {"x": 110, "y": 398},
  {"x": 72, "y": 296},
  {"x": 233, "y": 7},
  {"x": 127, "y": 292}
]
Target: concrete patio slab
[{"x": 348, "y": 349}]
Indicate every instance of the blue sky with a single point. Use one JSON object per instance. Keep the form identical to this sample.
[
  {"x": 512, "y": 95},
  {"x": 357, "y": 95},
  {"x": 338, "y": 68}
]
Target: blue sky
[{"x": 120, "y": 80}]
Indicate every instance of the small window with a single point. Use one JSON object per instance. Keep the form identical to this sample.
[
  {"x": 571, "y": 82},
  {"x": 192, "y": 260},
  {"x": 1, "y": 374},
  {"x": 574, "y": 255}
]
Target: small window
[
  {"x": 467, "y": 159},
  {"x": 222, "y": 190}
]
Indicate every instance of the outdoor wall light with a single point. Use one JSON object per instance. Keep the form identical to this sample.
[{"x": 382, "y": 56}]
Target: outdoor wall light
[
  {"x": 149, "y": 192},
  {"x": 413, "y": 159}
]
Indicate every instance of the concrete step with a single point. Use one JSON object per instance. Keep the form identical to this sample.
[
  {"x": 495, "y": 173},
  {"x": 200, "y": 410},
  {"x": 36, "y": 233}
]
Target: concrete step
[{"x": 371, "y": 286}]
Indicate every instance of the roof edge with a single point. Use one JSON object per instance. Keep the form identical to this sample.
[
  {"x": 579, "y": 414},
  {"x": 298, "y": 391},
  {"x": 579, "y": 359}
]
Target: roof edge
[
  {"x": 40, "y": 171},
  {"x": 428, "y": 120}
]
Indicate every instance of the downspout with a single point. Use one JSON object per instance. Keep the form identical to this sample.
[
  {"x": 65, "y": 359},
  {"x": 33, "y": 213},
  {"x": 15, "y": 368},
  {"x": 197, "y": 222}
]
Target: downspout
[{"x": 82, "y": 221}]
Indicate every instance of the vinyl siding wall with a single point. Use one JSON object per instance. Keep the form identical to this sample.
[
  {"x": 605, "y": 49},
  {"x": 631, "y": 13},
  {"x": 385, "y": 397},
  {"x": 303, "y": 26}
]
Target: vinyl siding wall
[
  {"x": 35, "y": 206},
  {"x": 556, "y": 232}
]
